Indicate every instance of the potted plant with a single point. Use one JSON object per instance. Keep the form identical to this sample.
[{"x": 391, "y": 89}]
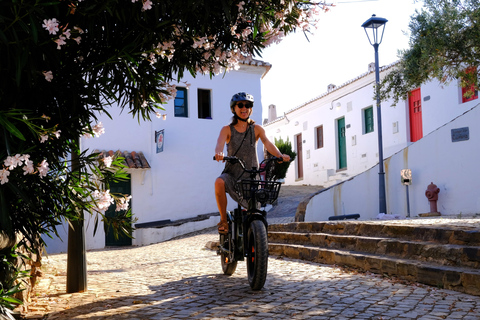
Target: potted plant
[{"x": 285, "y": 147}]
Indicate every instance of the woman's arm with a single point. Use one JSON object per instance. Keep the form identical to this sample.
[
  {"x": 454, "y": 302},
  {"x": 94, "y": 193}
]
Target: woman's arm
[
  {"x": 269, "y": 145},
  {"x": 223, "y": 137}
]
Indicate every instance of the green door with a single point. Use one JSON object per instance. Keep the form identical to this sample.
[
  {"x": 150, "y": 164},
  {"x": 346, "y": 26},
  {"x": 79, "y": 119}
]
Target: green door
[
  {"x": 123, "y": 187},
  {"x": 342, "y": 144}
]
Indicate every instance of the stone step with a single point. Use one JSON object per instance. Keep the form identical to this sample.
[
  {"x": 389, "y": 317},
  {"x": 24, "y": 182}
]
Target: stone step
[
  {"x": 466, "y": 280},
  {"x": 446, "y": 257},
  {"x": 442, "y": 254},
  {"x": 444, "y": 235}
]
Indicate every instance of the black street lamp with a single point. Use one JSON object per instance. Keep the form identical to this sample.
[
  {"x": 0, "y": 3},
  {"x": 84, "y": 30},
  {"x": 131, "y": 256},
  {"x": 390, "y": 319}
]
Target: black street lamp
[{"x": 375, "y": 24}]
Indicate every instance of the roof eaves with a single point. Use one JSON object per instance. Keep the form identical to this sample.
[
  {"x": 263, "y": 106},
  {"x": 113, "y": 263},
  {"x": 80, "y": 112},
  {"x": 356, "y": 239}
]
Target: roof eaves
[{"x": 363, "y": 75}]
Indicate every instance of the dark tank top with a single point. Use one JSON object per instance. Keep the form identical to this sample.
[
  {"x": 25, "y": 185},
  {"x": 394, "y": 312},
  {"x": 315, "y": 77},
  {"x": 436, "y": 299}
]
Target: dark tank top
[{"x": 244, "y": 146}]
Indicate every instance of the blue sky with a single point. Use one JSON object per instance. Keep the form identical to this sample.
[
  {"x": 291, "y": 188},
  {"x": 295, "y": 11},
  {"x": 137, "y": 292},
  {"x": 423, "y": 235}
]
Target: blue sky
[{"x": 337, "y": 52}]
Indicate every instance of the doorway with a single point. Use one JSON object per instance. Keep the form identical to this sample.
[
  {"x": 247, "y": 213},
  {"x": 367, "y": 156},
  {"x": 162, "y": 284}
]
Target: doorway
[
  {"x": 415, "y": 111},
  {"x": 342, "y": 144}
]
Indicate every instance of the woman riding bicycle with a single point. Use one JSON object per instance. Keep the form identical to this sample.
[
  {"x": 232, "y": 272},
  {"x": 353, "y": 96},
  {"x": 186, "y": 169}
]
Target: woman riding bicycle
[{"x": 241, "y": 137}]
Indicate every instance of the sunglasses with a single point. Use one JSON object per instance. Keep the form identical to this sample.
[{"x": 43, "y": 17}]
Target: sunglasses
[{"x": 247, "y": 105}]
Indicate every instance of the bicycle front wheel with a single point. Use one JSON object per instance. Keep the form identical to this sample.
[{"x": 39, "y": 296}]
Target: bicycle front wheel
[{"x": 257, "y": 256}]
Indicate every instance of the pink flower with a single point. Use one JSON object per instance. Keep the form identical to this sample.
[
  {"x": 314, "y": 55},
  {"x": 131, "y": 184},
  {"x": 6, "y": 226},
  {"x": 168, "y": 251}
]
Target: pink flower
[
  {"x": 60, "y": 42},
  {"x": 51, "y": 25},
  {"x": 147, "y": 5},
  {"x": 77, "y": 39},
  {"x": 4, "y": 173},
  {"x": 43, "y": 138},
  {"x": 48, "y": 75},
  {"x": 78, "y": 29},
  {"x": 67, "y": 33},
  {"x": 13, "y": 162},
  {"x": 43, "y": 169}
]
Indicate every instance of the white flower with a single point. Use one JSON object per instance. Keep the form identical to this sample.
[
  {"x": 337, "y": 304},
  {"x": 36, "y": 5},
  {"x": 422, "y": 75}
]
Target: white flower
[
  {"x": 57, "y": 133},
  {"x": 108, "y": 161},
  {"x": 43, "y": 169},
  {"x": 98, "y": 129},
  {"x": 122, "y": 203},
  {"x": 103, "y": 199},
  {"x": 43, "y": 138},
  {"x": 28, "y": 168},
  {"x": 4, "y": 173}
]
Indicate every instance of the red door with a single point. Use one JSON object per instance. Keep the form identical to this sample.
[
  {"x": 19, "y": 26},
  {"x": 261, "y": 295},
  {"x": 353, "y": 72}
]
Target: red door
[{"x": 415, "y": 107}]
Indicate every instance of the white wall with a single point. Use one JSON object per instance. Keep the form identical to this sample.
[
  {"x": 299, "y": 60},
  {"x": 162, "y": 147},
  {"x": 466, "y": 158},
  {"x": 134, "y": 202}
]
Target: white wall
[
  {"x": 180, "y": 183},
  {"x": 440, "y": 104},
  {"x": 452, "y": 166}
]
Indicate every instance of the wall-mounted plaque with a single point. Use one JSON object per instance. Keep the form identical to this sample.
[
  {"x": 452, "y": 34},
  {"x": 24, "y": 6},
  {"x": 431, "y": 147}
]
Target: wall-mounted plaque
[{"x": 460, "y": 134}]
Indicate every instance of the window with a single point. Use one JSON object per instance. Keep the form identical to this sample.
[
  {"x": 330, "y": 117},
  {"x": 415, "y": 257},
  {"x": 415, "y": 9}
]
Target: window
[
  {"x": 204, "y": 105},
  {"x": 181, "y": 103},
  {"x": 368, "y": 120},
  {"x": 469, "y": 93},
  {"x": 319, "y": 137}
]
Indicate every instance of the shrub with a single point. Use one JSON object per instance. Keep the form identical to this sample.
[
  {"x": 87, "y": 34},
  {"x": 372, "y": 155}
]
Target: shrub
[{"x": 285, "y": 147}]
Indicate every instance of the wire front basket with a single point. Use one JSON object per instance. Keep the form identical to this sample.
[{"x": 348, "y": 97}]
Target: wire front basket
[{"x": 263, "y": 191}]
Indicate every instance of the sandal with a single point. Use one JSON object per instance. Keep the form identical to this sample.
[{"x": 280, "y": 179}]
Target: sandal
[{"x": 223, "y": 227}]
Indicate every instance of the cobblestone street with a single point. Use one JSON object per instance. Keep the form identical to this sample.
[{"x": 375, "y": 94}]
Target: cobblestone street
[{"x": 182, "y": 279}]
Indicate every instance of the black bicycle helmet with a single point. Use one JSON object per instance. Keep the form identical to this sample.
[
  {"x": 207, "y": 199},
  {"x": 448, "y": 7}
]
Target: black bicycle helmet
[{"x": 241, "y": 96}]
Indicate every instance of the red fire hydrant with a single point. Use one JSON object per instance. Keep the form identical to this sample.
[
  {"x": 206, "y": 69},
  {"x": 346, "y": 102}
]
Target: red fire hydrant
[{"x": 432, "y": 196}]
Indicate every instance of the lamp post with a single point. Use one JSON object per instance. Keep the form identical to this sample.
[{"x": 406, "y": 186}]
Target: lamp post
[{"x": 377, "y": 27}]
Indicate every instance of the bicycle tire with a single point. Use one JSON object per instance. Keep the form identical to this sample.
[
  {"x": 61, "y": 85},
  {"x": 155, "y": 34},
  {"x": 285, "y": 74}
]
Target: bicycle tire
[
  {"x": 228, "y": 267},
  {"x": 257, "y": 258}
]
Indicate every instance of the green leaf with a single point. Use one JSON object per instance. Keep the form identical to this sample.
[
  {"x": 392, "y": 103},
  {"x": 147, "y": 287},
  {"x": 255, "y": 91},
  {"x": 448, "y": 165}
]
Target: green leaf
[{"x": 10, "y": 127}]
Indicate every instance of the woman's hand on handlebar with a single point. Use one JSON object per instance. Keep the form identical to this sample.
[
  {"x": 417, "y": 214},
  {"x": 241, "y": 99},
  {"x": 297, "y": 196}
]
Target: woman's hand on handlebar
[
  {"x": 285, "y": 157},
  {"x": 219, "y": 156}
]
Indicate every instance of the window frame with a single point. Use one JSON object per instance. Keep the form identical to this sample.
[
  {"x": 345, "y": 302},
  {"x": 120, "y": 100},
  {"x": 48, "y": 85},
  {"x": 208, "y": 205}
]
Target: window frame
[
  {"x": 319, "y": 138},
  {"x": 203, "y": 113},
  {"x": 368, "y": 127},
  {"x": 184, "y": 106}
]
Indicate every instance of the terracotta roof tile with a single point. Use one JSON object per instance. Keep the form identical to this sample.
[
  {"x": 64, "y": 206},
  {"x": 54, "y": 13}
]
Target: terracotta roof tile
[{"x": 133, "y": 159}]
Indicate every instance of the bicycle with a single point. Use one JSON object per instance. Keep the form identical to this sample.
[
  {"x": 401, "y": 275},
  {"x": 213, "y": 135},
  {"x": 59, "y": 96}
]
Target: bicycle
[{"x": 247, "y": 229}]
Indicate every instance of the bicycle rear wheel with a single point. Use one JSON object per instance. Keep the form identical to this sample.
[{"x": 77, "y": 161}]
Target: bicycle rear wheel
[
  {"x": 229, "y": 264},
  {"x": 257, "y": 257}
]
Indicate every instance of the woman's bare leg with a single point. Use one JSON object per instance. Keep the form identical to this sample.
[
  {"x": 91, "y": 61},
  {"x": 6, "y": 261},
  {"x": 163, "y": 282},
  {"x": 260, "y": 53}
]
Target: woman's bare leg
[{"x": 221, "y": 196}]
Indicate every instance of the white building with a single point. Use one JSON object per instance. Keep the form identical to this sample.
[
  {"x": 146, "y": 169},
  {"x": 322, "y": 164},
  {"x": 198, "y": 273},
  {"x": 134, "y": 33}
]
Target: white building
[
  {"x": 336, "y": 138},
  {"x": 173, "y": 189}
]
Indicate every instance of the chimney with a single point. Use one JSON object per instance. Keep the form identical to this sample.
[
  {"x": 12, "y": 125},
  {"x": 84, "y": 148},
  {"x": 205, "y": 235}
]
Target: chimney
[
  {"x": 272, "y": 112},
  {"x": 371, "y": 67},
  {"x": 331, "y": 87}
]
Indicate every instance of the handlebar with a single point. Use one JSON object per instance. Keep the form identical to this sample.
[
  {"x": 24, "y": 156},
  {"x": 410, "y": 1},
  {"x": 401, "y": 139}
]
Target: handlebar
[{"x": 253, "y": 170}]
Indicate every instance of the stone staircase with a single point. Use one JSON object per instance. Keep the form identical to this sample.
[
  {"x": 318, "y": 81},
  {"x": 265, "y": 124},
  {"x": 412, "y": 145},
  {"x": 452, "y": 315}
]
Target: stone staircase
[{"x": 445, "y": 256}]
